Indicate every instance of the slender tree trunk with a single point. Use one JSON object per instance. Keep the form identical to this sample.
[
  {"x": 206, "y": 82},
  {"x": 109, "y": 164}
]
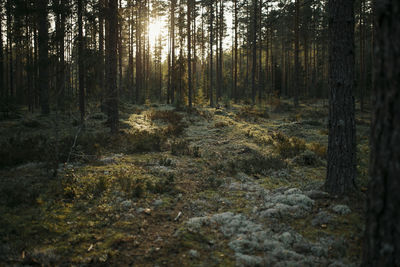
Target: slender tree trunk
[
  {"x": 101, "y": 52},
  {"x": 221, "y": 52},
  {"x": 2, "y": 87},
  {"x": 61, "y": 55},
  {"x": 43, "y": 56},
  {"x": 120, "y": 51},
  {"x": 10, "y": 50},
  {"x": 235, "y": 96},
  {"x": 382, "y": 235},
  {"x": 260, "y": 69},
  {"x": 112, "y": 36},
  {"x": 296, "y": 56},
  {"x": 341, "y": 169},
  {"x": 211, "y": 9},
  {"x": 189, "y": 50},
  {"x": 81, "y": 62},
  {"x": 138, "y": 52},
  {"x": 362, "y": 58},
  {"x": 173, "y": 75},
  {"x": 254, "y": 52}
]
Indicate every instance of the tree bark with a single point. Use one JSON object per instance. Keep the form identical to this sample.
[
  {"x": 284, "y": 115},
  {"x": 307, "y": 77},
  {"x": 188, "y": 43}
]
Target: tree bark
[
  {"x": 112, "y": 33},
  {"x": 2, "y": 87},
  {"x": 189, "y": 50},
  {"x": 254, "y": 52},
  {"x": 341, "y": 171},
  {"x": 81, "y": 62},
  {"x": 43, "y": 39},
  {"x": 236, "y": 52},
  {"x": 296, "y": 55},
  {"x": 211, "y": 9},
  {"x": 382, "y": 235}
]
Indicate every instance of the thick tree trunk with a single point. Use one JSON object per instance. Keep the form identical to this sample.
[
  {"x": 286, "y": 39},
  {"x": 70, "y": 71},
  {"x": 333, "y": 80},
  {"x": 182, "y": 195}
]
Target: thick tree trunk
[
  {"x": 382, "y": 240},
  {"x": 112, "y": 35},
  {"x": 341, "y": 169},
  {"x": 43, "y": 39}
]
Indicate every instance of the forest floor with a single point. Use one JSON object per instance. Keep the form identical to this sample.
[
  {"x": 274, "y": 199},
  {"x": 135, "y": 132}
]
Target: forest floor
[{"x": 235, "y": 186}]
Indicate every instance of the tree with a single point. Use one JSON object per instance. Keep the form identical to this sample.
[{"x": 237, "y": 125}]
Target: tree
[
  {"x": 254, "y": 51},
  {"x": 81, "y": 62},
  {"x": 382, "y": 236},
  {"x": 43, "y": 40},
  {"x": 189, "y": 50},
  {"x": 341, "y": 170},
  {"x": 296, "y": 54},
  {"x": 235, "y": 79},
  {"x": 112, "y": 90},
  {"x": 211, "y": 29},
  {"x": 2, "y": 91}
]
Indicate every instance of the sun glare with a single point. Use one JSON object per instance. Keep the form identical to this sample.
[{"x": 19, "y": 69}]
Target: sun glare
[{"x": 156, "y": 28}]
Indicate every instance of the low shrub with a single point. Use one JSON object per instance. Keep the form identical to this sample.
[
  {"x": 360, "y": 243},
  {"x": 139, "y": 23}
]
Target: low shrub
[
  {"x": 288, "y": 147},
  {"x": 308, "y": 158},
  {"x": 319, "y": 149},
  {"x": 256, "y": 163},
  {"x": 250, "y": 112},
  {"x": 141, "y": 141}
]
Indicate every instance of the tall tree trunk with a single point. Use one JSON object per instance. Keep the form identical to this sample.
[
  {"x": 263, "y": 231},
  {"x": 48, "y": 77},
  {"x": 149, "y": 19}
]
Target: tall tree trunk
[
  {"x": 120, "y": 51},
  {"x": 254, "y": 52},
  {"x": 61, "y": 54},
  {"x": 260, "y": 69},
  {"x": 43, "y": 39},
  {"x": 341, "y": 169},
  {"x": 112, "y": 36},
  {"x": 189, "y": 50},
  {"x": 81, "y": 62},
  {"x": 362, "y": 58},
  {"x": 382, "y": 235},
  {"x": 10, "y": 50},
  {"x": 211, "y": 9},
  {"x": 101, "y": 52},
  {"x": 296, "y": 55},
  {"x": 2, "y": 87},
  {"x": 235, "y": 92},
  {"x": 221, "y": 52},
  {"x": 138, "y": 52},
  {"x": 173, "y": 75}
]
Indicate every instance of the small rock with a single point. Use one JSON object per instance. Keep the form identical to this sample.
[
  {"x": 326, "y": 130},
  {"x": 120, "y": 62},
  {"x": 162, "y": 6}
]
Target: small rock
[
  {"x": 140, "y": 210},
  {"x": 126, "y": 204},
  {"x": 341, "y": 209},
  {"x": 147, "y": 211},
  {"x": 319, "y": 251},
  {"x": 194, "y": 253},
  {"x": 322, "y": 217},
  {"x": 158, "y": 202},
  {"x": 286, "y": 238},
  {"x": 247, "y": 260}
]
